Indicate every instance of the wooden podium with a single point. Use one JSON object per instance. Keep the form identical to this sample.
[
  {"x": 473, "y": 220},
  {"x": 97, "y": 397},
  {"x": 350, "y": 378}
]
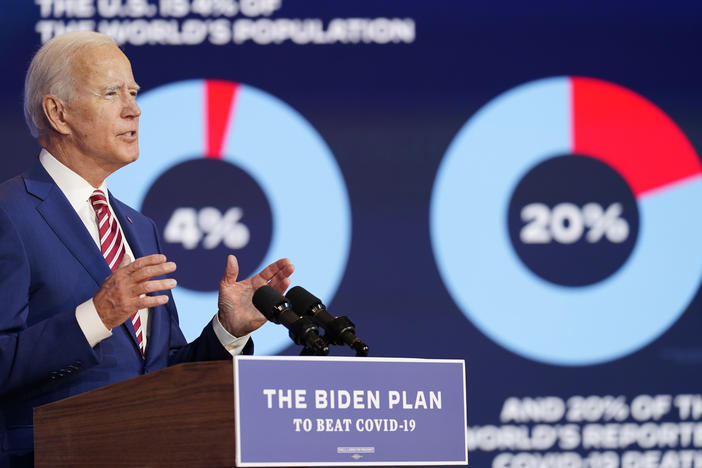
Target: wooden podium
[
  {"x": 184, "y": 416},
  {"x": 181, "y": 416}
]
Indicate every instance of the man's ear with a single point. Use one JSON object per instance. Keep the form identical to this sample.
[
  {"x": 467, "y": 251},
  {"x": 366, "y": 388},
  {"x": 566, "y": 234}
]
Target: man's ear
[{"x": 54, "y": 110}]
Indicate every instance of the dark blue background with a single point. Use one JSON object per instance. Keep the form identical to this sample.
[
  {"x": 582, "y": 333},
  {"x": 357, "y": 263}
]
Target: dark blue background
[{"x": 388, "y": 113}]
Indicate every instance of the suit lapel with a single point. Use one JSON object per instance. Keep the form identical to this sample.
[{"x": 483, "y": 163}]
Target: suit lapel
[
  {"x": 64, "y": 221},
  {"x": 128, "y": 227}
]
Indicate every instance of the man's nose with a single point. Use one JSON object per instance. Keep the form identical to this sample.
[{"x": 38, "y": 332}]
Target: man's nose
[{"x": 131, "y": 108}]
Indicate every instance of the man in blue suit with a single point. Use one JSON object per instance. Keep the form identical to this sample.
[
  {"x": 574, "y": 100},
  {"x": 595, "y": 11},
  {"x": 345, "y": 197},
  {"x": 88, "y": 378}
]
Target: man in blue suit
[{"x": 68, "y": 317}]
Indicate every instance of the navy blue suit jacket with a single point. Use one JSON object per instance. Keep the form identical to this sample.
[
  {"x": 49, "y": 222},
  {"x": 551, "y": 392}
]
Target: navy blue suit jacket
[{"x": 49, "y": 264}]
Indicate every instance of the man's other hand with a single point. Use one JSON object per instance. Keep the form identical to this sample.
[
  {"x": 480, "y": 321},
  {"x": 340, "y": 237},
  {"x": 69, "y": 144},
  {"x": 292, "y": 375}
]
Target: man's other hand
[
  {"x": 124, "y": 292},
  {"x": 236, "y": 311}
]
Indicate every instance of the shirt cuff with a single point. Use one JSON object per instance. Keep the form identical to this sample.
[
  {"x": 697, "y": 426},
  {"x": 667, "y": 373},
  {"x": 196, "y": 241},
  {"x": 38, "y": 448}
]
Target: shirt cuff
[
  {"x": 230, "y": 342},
  {"x": 90, "y": 322}
]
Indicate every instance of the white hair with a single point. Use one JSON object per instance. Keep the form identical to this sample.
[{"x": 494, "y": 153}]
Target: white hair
[{"x": 50, "y": 72}]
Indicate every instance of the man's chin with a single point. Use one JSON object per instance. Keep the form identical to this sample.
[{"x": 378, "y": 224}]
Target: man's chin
[
  {"x": 125, "y": 160},
  {"x": 131, "y": 158}
]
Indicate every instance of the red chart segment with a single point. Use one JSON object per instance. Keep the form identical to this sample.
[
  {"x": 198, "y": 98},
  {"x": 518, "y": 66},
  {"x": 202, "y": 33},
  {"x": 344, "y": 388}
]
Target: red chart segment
[
  {"x": 220, "y": 98},
  {"x": 630, "y": 134}
]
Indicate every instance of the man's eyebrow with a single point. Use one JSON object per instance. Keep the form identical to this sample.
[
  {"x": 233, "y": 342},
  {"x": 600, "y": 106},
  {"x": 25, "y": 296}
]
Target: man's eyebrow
[{"x": 116, "y": 87}]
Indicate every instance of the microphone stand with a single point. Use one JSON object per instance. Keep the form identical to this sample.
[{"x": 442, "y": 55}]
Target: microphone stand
[
  {"x": 307, "y": 351},
  {"x": 338, "y": 327},
  {"x": 343, "y": 326}
]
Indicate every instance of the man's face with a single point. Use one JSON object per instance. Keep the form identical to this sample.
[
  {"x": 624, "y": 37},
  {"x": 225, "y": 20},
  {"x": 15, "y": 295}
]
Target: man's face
[{"x": 102, "y": 114}]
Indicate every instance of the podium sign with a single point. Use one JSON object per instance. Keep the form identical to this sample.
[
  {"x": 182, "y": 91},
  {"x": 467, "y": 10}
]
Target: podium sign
[{"x": 309, "y": 411}]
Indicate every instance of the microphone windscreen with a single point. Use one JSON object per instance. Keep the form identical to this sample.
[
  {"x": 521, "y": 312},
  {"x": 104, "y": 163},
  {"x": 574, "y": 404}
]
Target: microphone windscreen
[
  {"x": 265, "y": 299},
  {"x": 302, "y": 300}
]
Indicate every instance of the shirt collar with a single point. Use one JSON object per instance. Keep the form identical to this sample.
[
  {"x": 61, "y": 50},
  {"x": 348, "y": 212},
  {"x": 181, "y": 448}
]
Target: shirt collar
[{"x": 76, "y": 189}]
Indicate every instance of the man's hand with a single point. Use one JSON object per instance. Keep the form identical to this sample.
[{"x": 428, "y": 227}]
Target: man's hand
[
  {"x": 119, "y": 297},
  {"x": 236, "y": 311}
]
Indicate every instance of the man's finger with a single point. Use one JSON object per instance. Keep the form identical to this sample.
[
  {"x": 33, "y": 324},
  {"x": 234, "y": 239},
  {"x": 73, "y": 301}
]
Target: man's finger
[
  {"x": 231, "y": 272},
  {"x": 153, "y": 259},
  {"x": 278, "y": 265},
  {"x": 280, "y": 285},
  {"x": 281, "y": 280},
  {"x": 147, "y": 302},
  {"x": 147, "y": 287},
  {"x": 279, "y": 269},
  {"x": 149, "y": 271}
]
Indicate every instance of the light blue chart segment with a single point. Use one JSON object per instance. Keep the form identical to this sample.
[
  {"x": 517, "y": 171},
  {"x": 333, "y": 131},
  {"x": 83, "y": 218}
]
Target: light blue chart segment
[
  {"x": 498, "y": 294},
  {"x": 279, "y": 149}
]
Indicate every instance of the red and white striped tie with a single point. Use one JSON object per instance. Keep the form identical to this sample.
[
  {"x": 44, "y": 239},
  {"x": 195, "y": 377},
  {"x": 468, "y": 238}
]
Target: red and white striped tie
[{"x": 112, "y": 247}]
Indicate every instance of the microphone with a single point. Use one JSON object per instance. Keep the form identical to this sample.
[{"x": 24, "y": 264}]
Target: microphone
[
  {"x": 277, "y": 309},
  {"x": 339, "y": 330}
]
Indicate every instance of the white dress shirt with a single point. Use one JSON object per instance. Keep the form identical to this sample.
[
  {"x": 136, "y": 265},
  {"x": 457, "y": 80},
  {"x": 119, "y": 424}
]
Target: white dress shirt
[{"x": 78, "y": 191}]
